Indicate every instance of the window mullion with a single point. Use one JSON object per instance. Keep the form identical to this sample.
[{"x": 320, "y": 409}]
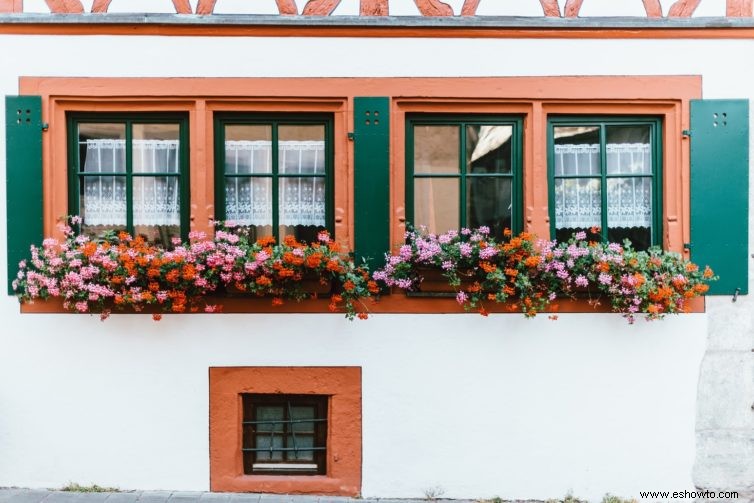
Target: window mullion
[
  {"x": 275, "y": 182},
  {"x": 129, "y": 179},
  {"x": 603, "y": 172},
  {"x": 462, "y": 178}
]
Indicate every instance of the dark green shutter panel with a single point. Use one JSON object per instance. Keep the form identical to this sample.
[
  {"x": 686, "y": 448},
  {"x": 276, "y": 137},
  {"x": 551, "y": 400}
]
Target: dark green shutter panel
[
  {"x": 372, "y": 179},
  {"x": 23, "y": 172},
  {"x": 720, "y": 191}
]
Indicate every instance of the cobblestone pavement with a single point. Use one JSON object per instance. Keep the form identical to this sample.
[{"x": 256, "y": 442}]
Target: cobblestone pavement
[{"x": 12, "y": 495}]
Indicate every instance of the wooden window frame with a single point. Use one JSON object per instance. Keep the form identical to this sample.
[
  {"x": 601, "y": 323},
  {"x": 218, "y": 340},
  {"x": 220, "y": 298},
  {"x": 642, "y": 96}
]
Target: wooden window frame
[
  {"x": 462, "y": 120},
  {"x": 75, "y": 173},
  {"x": 320, "y": 404},
  {"x": 604, "y": 121},
  {"x": 275, "y": 121}
]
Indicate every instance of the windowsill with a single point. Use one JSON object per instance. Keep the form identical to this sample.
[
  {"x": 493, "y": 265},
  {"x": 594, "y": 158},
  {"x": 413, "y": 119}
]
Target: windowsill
[{"x": 396, "y": 303}]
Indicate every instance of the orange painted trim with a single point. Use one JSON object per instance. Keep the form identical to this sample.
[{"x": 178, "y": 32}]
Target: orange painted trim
[
  {"x": 396, "y": 303},
  {"x": 550, "y": 8},
  {"x": 730, "y": 33},
  {"x": 573, "y": 7},
  {"x": 433, "y": 8},
  {"x": 374, "y": 8},
  {"x": 320, "y": 7},
  {"x": 11, "y": 6},
  {"x": 738, "y": 8},
  {"x": 344, "y": 433},
  {"x": 683, "y": 8}
]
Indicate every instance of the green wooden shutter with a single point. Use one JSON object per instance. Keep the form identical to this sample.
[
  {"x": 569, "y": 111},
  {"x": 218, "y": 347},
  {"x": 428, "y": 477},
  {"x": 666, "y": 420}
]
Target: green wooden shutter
[
  {"x": 23, "y": 172},
  {"x": 720, "y": 191},
  {"x": 372, "y": 179}
]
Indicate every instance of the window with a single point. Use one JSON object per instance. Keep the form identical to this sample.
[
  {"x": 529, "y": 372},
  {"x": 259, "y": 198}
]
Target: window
[
  {"x": 284, "y": 434},
  {"x": 464, "y": 172},
  {"x": 605, "y": 173},
  {"x": 274, "y": 174},
  {"x": 129, "y": 172}
]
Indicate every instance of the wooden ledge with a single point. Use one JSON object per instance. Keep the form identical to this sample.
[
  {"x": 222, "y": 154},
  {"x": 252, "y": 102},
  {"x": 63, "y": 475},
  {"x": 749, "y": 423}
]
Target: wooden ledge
[{"x": 396, "y": 303}]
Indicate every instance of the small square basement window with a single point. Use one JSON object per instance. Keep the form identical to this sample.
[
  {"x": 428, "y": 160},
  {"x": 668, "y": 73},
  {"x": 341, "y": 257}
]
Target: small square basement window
[{"x": 284, "y": 434}]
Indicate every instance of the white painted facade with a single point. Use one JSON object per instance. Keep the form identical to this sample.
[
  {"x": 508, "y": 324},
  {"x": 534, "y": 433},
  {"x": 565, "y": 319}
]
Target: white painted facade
[{"x": 480, "y": 407}]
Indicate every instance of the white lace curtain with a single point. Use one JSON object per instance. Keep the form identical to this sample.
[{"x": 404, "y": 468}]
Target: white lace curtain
[
  {"x": 248, "y": 200},
  {"x": 156, "y": 199},
  {"x": 578, "y": 201}
]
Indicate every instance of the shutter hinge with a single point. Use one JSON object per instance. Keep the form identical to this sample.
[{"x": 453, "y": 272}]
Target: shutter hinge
[
  {"x": 687, "y": 246},
  {"x": 351, "y": 135},
  {"x": 686, "y": 133},
  {"x": 45, "y": 126}
]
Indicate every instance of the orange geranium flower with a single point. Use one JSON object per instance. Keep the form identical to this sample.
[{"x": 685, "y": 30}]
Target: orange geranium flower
[
  {"x": 263, "y": 281},
  {"x": 708, "y": 272},
  {"x": 487, "y": 267},
  {"x": 172, "y": 276},
  {"x": 348, "y": 286}
]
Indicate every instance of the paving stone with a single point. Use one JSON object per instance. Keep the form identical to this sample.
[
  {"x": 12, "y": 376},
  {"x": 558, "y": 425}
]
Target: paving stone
[
  {"x": 29, "y": 496},
  {"x": 215, "y": 498},
  {"x": 244, "y": 498},
  {"x": 154, "y": 496},
  {"x": 76, "y": 497},
  {"x": 277, "y": 498},
  {"x": 125, "y": 497},
  {"x": 185, "y": 497},
  {"x": 6, "y": 494}
]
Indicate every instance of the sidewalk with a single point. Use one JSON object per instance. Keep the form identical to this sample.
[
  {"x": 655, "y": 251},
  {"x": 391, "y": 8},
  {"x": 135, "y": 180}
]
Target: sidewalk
[{"x": 47, "y": 496}]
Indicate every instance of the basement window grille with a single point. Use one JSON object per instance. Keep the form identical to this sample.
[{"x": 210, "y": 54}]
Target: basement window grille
[{"x": 284, "y": 434}]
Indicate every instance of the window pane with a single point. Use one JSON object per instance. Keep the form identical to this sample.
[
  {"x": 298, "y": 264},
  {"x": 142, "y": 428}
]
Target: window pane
[
  {"x": 270, "y": 413},
  {"x": 489, "y": 202},
  {"x": 577, "y": 150},
  {"x": 301, "y": 207},
  {"x": 629, "y": 210},
  {"x": 248, "y": 202},
  {"x": 436, "y": 203},
  {"x": 102, "y": 148},
  {"x": 628, "y": 150},
  {"x": 488, "y": 149},
  {"x": 102, "y": 203},
  {"x": 157, "y": 208},
  {"x": 301, "y": 442},
  {"x": 436, "y": 149},
  {"x": 301, "y": 149},
  {"x": 155, "y": 148},
  {"x": 265, "y": 441},
  {"x": 578, "y": 203},
  {"x": 248, "y": 149}
]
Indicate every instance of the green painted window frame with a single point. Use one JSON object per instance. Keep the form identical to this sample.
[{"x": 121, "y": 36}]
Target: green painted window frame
[
  {"x": 275, "y": 121},
  {"x": 462, "y": 121},
  {"x": 655, "y": 124},
  {"x": 129, "y": 119}
]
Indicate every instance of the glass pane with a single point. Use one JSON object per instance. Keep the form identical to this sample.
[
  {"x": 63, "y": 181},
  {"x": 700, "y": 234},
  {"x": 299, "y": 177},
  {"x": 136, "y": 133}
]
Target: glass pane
[
  {"x": 301, "y": 207},
  {"x": 629, "y": 210},
  {"x": 488, "y": 149},
  {"x": 436, "y": 204},
  {"x": 155, "y": 148},
  {"x": 301, "y": 149},
  {"x": 270, "y": 413},
  {"x": 489, "y": 202},
  {"x": 248, "y": 202},
  {"x": 299, "y": 413},
  {"x": 436, "y": 149},
  {"x": 102, "y": 203},
  {"x": 628, "y": 150},
  {"x": 157, "y": 208},
  {"x": 265, "y": 441},
  {"x": 577, "y": 150},
  {"x": 248, "y": 149},
  {"x": 102, "y": 148},
  {"x": 578, "y": 203},
  {"x": 301, "y": 442}
]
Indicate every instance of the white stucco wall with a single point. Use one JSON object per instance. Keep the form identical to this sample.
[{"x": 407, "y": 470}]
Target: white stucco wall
[{"x": 478, "y": 406}]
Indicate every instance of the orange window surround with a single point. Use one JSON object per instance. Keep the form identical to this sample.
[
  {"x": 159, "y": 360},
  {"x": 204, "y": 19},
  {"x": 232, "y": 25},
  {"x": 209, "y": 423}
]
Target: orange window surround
[{"x": 343, "y": 387}]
